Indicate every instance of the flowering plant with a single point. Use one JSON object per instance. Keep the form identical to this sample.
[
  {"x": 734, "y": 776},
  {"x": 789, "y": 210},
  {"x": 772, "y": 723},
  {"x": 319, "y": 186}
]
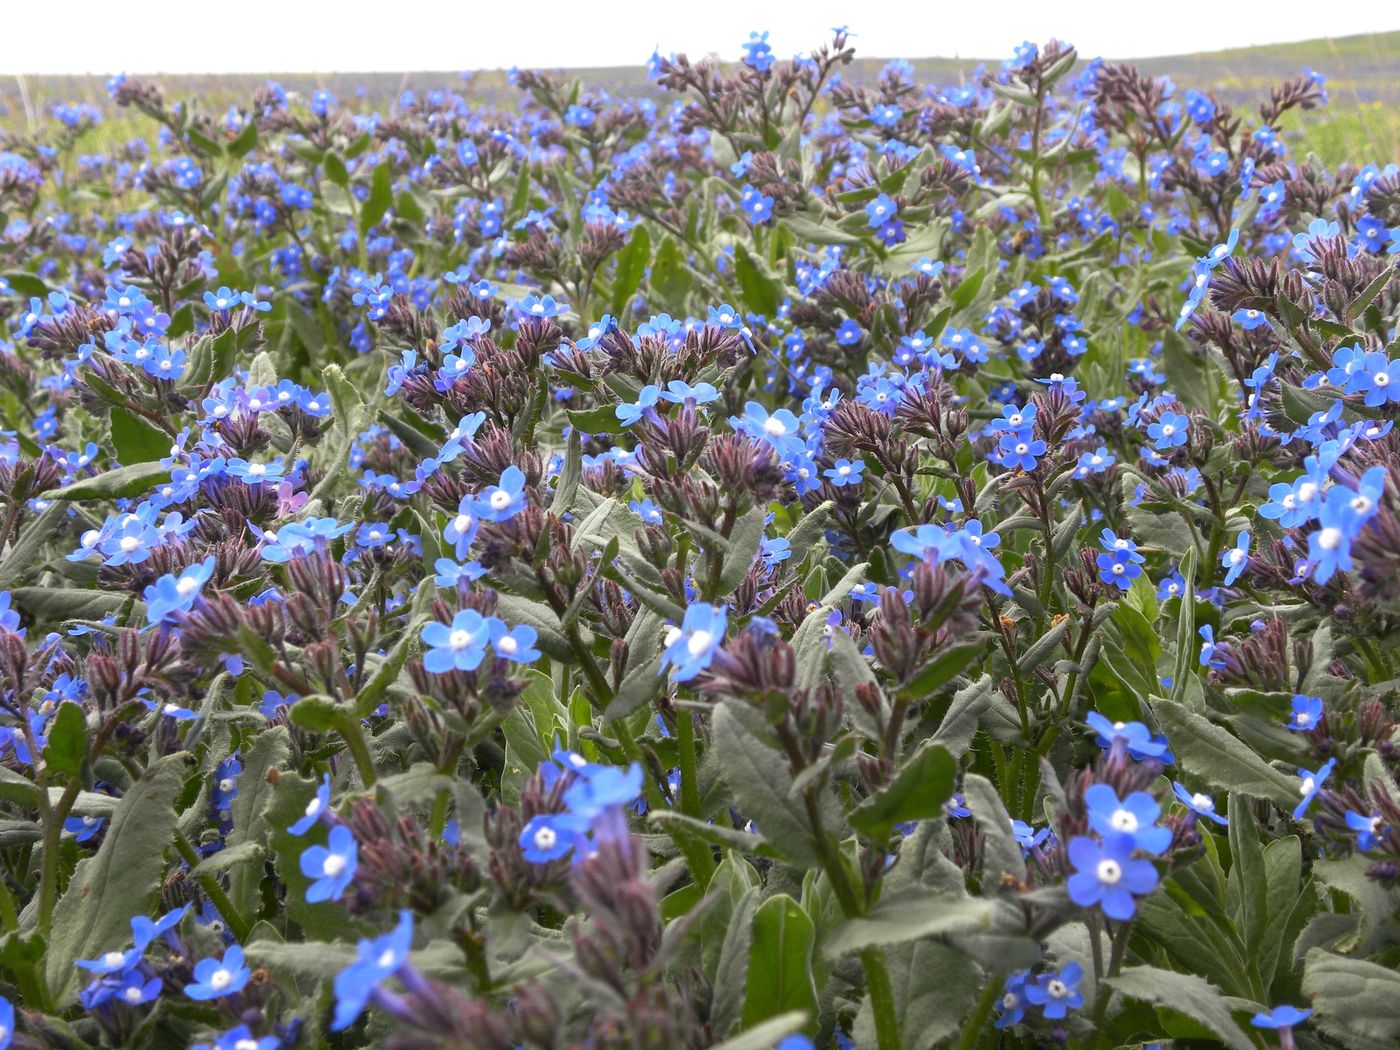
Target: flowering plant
[{"x": 780, "y": 561}]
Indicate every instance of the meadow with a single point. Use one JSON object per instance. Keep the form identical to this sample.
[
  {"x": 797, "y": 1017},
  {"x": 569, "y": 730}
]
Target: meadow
[{"x": 747, "y": 554}]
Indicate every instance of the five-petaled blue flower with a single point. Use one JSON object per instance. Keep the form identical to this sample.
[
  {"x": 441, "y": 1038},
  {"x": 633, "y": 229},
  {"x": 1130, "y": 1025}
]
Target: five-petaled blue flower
[
  {"x": 1106, "y": 874},
  {"x": 331, "y": 866},
  {"x": 459, "y": 646},
  {"x": 216, "y": 978},
  {"x": 692, "y": 645}
]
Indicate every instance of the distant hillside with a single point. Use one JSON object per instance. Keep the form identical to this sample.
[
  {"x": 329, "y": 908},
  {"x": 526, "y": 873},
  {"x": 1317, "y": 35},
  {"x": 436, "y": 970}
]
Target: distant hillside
[{"x": 1359, "y": 69}]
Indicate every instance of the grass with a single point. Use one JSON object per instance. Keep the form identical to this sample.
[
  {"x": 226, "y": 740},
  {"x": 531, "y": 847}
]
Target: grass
[{"x": 1361, "y": 125}]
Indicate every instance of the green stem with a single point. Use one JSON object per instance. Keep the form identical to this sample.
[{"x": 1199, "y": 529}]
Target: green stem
[
  {"x": 976, "y": 1022},
  {"x": 48, "y": 873},
  {"x": 877, "y": 980},
  {"x": 353, "y": 733},
  {"x": 239, "y": 926}
]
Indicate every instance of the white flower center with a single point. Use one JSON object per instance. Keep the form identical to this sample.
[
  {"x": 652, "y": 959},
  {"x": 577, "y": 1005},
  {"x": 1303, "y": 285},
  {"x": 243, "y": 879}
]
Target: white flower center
[
  {"x": 257, "y": 470},
  {"x": 333, "y": 867},
  {"x": 227, "y": 784},
  {"x": 113, "y": 959},
  {"x": 1204, "y": 802},
  {"x": 1236, "y": 556},
  {"x": 187, "y": 585},
  {"x": 133, "y": 995},
  {"x": 1307, "y": 786},
  {"x": 507, "y": 644},
  {"x": 220, "y": 979},
  {"x": 1123, "y": 820},
  {"x": 545, "y": 838},
  {"x": 699, "y": 642},
  {"x": 1168, "y": 429},
  {"x": 462, "y": 522},
  {"x": 1362, "y": 504},
  {"x": 314, "y": 806},
  {"x": 1306, "y": 491},
  {"x": 1109, "y": 872},
  {"x": 130, "y": 543},
  {"x": 500, "y": 499},
  {"x": 774, "y": 426},
  {"x": 1330, "y": 538},
  {"x": 386, "y": 958},
  {"x": 1057, "y": 988},
  {"x": 460, "y": 639}
]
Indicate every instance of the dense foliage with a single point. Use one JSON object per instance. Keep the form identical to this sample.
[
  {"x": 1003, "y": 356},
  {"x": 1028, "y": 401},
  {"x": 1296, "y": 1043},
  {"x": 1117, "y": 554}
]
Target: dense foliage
[{"x": 776, "y": 560}]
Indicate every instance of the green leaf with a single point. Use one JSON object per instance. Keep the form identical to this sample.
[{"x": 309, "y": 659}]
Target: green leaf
[
  {"x": 67, "y": 747},
  {"x": 26, "y": 283},
  {"x": 381, "y": 196},
  {"x": 25, "y": 555},
  {"x": 1185, "y": 626},
  {"x": 632, "y": 262},
  {"x": 1246, "y": 888},
  {"x": 917, "y": 792},
  {"x": 136, "y": 440},
  {"x": 1357, "y": 1002},
  {"x": 1185, "y": 993},
  {"x": 744, "y": 541},
  {"x": 767, "y": 1035},
  {"x": 133, "y": 480},
  {"x": 249, "y": 812},
  {"x": 1209, "y": 751},
  {"x": 335, "y": 169},
  {"x": 762, "y": 293},
  {"x": 71, "y": 603},
  {"x": 669, "y": 277},
  {"x": 780, "y": 962},
  {"x": 910, "y": 916},
  {"x": 757, "y": 774},
  {"x": 121, "y": 880}
]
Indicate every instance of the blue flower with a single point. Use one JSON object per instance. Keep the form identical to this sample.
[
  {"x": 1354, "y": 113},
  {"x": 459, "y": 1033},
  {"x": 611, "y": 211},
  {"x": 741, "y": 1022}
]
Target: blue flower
[
  {"x": 144, "y": 931},
  {"x": 377, "y": 960},
  {"x": 1329, "y": 548},
  {"x": 504, "y": 501},
  {"x": 314, "y": 808},
  {"x": 1135, "y": 815},
  {"x": 1368, "y": 828},
  {"x": 1210, "y": 648},
  {"x": 549, "y": 836},
  {"x": 1106, "y": 875},
  {"x": 215, "y": 978},
  {"x": 1235, "y": 559},
  {"x": 1201, "y": 805},
  {"x": 1011, "y": 1007},
  {"x": 849, "y": 333},
  {"x": 886, "y": 116},
  {"x": 1118, "y": 569},
  {"x": 758, "y": 55},
  {"x": 602, "y": 788},
  {"x": 137, "y": 988},
  {"x": 462, "y": 529},
  {"x": 172, "y": 594},
  {"x": 111, "y": 962},
  {"x": 1280, "y": 1017},
  {"x": 1058, "y": 993},
  {"x": 514, "y": 643},
  {"x": 1020, "y": 449},
  {"x": 83, "y": 828},
  {"x": 1310, "y": 783},
  {"x": 1306, "y": 712},
  {"x": 241, "y": 1038},
  {"x": 691, "y": 646},
  {"x": 845, "y": 472},
  {"x": 1170, "y": 431},
  {"x": 459, "y": 646},
  {"x": 880, "y": 211},
  {"x": 1171, "y": 587},
  {"x": 332, "y": 866}
]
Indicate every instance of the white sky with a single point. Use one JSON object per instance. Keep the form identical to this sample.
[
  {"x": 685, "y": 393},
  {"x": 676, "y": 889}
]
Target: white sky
[{"x": 289, "y": 36}]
